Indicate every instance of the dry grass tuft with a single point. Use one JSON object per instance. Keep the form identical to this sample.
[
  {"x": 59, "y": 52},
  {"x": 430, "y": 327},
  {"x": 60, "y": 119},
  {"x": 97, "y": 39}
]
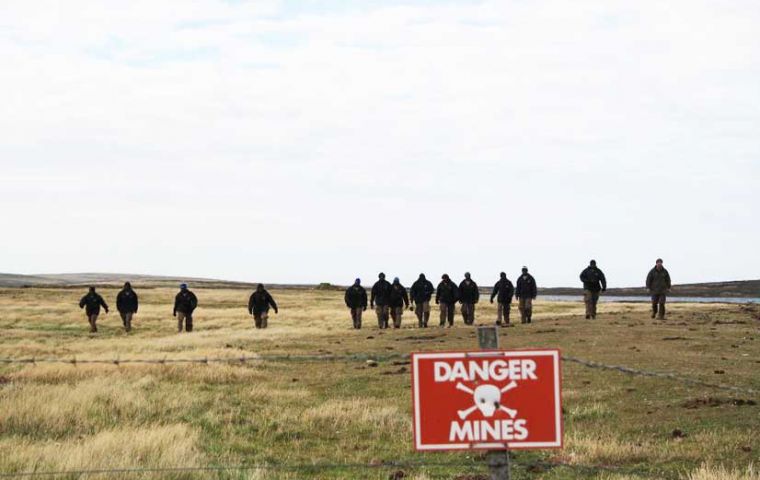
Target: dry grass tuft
[
  {"x": 712, "y": 472},
  {"x": 155, "y": 446}
]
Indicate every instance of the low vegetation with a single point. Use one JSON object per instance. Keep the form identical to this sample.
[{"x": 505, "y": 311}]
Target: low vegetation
[{"x": 348, "y": 413}]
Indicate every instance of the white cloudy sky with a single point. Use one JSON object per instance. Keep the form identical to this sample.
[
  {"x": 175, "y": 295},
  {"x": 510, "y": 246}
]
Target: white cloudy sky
[{"x": 287, "y": 141}]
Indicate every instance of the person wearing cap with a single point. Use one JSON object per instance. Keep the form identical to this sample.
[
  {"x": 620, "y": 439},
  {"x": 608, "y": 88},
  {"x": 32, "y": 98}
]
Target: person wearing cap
[
  {"x": 593, "y": 282},
  {"x": 421, "y": 293},
  {"x": 446, "y": 295},
  {"x": 658, "y": 284},
  {"x": 378, "y": 300},
  {"x": 258, "y": 306},
  {"x": 525, "y": 293},
  {"x": 91, "y": 303},
  {"x": 356, "y": 301},
  {"x": 398, "y": 300},
  {"x": 126, "y": 304},
  {"x": 184, "y": 304},
  {"x": 468, "y": 297},
  {"x": 503, "y": 291}
]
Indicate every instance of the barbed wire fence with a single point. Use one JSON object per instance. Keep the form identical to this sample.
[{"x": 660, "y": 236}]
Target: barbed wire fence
[
  {"x": 375, "y": 358},
  {"x": 379, "y": 357}
]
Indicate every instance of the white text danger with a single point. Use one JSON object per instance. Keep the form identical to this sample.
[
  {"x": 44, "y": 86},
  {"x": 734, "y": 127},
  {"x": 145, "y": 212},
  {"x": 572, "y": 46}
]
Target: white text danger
[{"x": 485, "y": 370}]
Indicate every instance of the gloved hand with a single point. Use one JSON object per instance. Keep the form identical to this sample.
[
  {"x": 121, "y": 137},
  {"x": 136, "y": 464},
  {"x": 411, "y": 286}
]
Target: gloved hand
[
  {"x": 436, "y": 302},
  {"x": 492, "y": 300},
  {"x": 371, "y": 305},
  {"x": 276, "y": 311},
  {"x": 174, "y": 313},
  {"x": 411, "y": 307},
  {"x": 365, "y": 308}
]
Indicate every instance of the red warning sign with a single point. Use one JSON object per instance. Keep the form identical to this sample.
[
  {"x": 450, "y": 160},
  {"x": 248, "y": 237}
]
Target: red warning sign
[{"x": 487, "y": 400}]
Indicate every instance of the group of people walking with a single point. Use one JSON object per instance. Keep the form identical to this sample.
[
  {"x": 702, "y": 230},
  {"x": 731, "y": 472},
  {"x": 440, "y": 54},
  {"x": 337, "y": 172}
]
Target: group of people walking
[{"x": 391, "y": 299}]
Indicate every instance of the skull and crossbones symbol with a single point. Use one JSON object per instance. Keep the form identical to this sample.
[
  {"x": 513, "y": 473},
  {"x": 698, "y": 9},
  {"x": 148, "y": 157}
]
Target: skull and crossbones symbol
[{"x": 487, "y": 399}]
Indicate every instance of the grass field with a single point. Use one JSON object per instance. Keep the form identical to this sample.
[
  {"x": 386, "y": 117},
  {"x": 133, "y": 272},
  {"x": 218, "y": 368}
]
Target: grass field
[{"x": 67, "y": 417}]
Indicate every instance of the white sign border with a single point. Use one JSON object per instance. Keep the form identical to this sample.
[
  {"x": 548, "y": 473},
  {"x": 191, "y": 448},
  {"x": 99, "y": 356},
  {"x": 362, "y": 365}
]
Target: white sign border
[{"x": 419, "y": 446}]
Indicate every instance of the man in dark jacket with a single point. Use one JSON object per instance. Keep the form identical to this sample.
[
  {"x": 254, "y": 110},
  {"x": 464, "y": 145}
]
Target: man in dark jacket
[
  {"x": 503, "y": 291},
  {"x": 468, "y": 297},
  {"x": 379, "y": 297},
  {"x": 398, "y": 300},
  {"x": 258, "y": 306},
  {"x": 446, "y": 295},
  {"x": 184, "y": 304},
  {"x": 126, "y": 304},
  {"x": 91, "y": 304},
  {"x": 593, "y": 283},
  {"x": 658, "y": 284},
  {"x": 421, "y": 293},
  {"x": 356, "y": 300},
  {"x": 526, "y": 292}
]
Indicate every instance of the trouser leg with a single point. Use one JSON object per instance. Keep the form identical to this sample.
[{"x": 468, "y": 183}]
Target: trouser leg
[
  {"x": 506, "y": 308},
  {"x": 521, "y": 307},
  {"x": 655, "y": 301},
  {"x": 661, "y": 313},
  {"x": 450, "y": 314},
  {"x": 587, "y": 302},
  {"x": 594, "y": 303},
  {"x": 499, "y": 313},
  {"x": 92, "y": 320},
  {"x": 189, "y": 322},
  {"x": 419, "y": 312},
  {"x": 264, "y": 319},
  {"x": 397, "y": 313},
  {"x": 128, "y": 321},
  {"x": 180, "y": 321},
  {"x": 444, "y": 314},
  {"x": 257, "y": 319},
  {"x": 123, "y": 316},
  {"x": 528, "y": 310}
]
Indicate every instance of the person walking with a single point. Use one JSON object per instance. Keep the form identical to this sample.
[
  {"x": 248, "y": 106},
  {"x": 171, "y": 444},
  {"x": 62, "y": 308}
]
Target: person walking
[
  {"x": 503, "y": 291},
  {"x": 421, "y": 293},
  {"x": 526, "y": 292},
  {"x": 91, "y": 303},
  {"x": 184, "y": 304},
  {"x": 469, "y": 294},
  {"x": 379, "y": 296},
  {"x": 446, "y": 295},
  {"x": 356, "y": 301},
  {"x": 593, "y": 282},
  {"x": 658, "y": 284},
  {"x": 398, "y": 300},
  {"x": 258, "y": 306},
  {"x": 126, "y": 304}
]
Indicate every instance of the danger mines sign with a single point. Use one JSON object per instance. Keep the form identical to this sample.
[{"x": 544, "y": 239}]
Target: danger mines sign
[{"x": 487, "y": 400}]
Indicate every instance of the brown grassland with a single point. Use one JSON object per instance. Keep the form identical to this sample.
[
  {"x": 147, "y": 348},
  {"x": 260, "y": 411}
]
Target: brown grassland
[{"x": 57, "y": 417}]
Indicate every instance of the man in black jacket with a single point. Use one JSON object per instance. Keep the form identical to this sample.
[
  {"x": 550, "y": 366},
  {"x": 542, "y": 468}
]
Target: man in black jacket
[
  {"x": 91, "y": 304},
  {"x": 126, "y": 304},
  {"x": 446, "y": 295},
  {"x": 421, "y": 293},
  {"x": 525, "y": 293},
  {"x": 184, "y": 304},
  {"x": 658, "y": 284},
  {"x": 503, "y": 291},
  {"x": 379, "y": 296},
  {"x": 258, "y": 306},
  {"x": 398, "y": 300},
  {"x": 593, "y": 282},
  {"x": 468, "y": 297},
  {"x": 356, "y": 300}
]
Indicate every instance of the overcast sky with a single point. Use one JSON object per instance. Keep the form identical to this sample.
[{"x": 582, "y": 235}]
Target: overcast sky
[{"x": 290, "y": 141}]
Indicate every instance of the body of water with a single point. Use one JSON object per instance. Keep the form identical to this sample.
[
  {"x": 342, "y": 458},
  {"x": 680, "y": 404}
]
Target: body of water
[{"x": 612, "y": 298}]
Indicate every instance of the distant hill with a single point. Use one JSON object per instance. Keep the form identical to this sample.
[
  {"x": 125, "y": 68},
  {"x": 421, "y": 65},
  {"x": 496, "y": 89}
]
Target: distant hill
[
  {"x": 742, "y": 288},
  {"x": 116, "y": 279}
]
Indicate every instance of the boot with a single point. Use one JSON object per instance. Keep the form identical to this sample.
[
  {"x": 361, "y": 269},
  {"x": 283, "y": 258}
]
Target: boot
[{"x": 654, "y": 310}]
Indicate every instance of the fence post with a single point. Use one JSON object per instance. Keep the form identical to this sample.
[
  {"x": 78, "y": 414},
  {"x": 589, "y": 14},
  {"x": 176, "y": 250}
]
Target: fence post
[{"x": 498, "y": 460}]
